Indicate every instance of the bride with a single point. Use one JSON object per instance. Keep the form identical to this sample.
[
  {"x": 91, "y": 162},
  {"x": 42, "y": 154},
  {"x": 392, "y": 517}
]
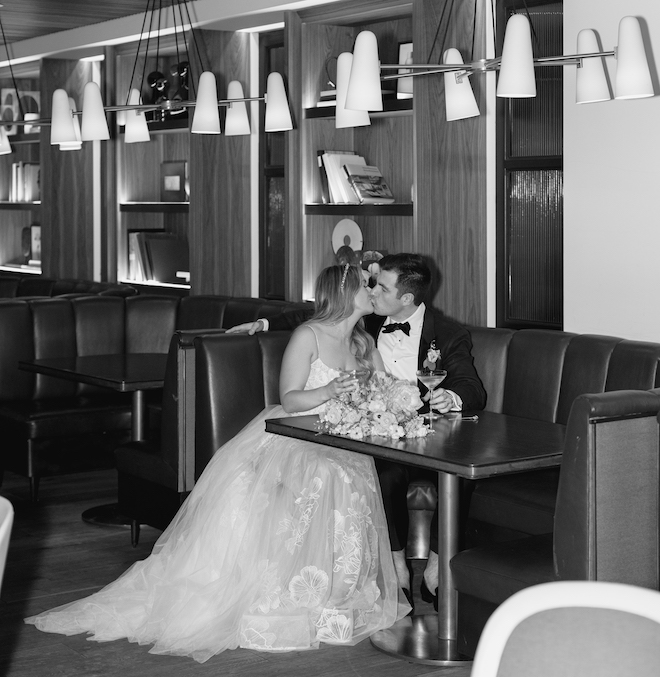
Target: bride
[{"x": 282, "y": 544}]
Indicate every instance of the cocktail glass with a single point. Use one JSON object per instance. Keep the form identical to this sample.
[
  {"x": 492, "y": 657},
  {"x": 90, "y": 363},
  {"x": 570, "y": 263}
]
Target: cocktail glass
[{"x": 431, "y": 378}]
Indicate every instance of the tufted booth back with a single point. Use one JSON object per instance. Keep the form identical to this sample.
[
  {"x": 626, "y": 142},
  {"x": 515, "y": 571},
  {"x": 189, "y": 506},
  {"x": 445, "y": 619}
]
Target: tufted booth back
[{"x": 538, "y": 373}]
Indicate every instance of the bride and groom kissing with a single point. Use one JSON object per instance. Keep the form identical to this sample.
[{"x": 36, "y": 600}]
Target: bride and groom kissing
[
  {"x": 283, "y": 543},
  {"x": 405, "y": 329}
]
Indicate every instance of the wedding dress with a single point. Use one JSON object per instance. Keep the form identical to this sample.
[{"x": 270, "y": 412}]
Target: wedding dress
[{"x": 281, "y": 545}]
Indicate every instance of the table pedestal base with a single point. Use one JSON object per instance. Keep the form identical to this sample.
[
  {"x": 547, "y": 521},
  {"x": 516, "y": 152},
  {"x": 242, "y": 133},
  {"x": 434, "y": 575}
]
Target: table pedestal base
[
  {"x": 106, "y": 516},
  {"x": 415, "y": 638}
]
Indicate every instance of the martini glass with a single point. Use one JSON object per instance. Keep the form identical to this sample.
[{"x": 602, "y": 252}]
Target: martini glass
[{"x": 431, "y": 378}]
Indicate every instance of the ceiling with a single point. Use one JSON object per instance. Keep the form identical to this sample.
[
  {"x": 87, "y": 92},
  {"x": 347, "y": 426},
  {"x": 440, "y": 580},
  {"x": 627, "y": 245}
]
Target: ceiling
[{"x": 24, "y": 19}]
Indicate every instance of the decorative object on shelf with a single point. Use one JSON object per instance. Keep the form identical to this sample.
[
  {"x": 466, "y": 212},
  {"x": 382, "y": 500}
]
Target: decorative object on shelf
[
  {"x": 347, "y": 233},
  {"x": 174, "y": 181},
  {"x": 35, "y": 244},
  {"x": 516, "y": 67},
  {"x": 206, "y": 115},
  {"x": 26, "y": 244},
  {"x": 404, "y": 86}
]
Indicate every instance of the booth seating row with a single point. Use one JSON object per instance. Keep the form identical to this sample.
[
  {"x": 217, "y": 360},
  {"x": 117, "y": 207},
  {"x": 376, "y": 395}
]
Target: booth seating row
[
  {"x": 44, "y": 418},
  {"x": 16, "y": 286},
  {"x": 216, "y": 383}
]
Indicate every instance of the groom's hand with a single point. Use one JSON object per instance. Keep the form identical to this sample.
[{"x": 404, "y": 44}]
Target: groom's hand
[
  {"x": 247, "y": 327},
  {"x": 442, "y": 401}
]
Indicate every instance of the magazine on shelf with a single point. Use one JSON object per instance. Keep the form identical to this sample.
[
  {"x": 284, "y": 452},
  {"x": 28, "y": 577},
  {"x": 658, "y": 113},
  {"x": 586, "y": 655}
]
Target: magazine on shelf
[
  {"x": 340, "y": 191},
  {"x": 368, "y": 184}
]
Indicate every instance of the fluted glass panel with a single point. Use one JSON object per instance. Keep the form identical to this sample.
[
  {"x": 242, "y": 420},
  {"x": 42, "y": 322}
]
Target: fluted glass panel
[
  {"x": 275, "y": 238},
  {"x": 535, "y": 124},
  {"x": 534, "y": 246}
]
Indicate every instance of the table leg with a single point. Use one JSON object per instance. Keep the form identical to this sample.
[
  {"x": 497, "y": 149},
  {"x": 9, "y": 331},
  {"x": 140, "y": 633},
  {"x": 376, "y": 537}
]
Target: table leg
[
  {"x": 431, "y": 639},
  {"x": 109, "y": 515},
  {"x": 138, "y": 415}
]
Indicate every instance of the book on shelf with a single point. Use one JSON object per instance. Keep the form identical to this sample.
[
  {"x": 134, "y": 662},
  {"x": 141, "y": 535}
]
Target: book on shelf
[
  {"x": 25, "y": 185},
  {"x": 156, "y": 256},
  {"x": 339, "y": 189},
  {"x": 368, "y": 184},
  {"x": 328, "y": 94}
]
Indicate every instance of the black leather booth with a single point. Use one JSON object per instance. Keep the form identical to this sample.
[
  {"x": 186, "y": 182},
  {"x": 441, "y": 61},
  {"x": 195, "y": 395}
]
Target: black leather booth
[
  {"x": 44, "y": 418},
  {"x": 606, "y": 524}
]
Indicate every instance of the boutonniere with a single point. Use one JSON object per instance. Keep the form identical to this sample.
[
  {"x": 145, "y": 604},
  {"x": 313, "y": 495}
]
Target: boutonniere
[{"x": 433, "y": 356}]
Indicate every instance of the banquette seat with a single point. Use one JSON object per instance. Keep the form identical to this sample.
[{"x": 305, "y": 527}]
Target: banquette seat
[{"x": 605, "y": 525}]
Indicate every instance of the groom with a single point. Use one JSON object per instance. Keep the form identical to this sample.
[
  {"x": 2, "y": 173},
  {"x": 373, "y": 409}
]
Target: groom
[{"x": 405, "y": 330}]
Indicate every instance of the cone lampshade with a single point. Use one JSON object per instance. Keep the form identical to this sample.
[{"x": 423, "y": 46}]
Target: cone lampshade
[
  {"x": 61, "y": 128},
  {"x": 459, "y": 97},
  {"x": 516, "y": 79},
  {"x": 364, "y": 90},
  {"x": 343, "y": 116},
  {"x": 206, "y": 119},
  {"x": 633, "y": 79},
  {"x": 5, "y": 146},
  {"x": 77, "y": 144},
  {"x": 590, "y": 80},
  {"x": 94, "y": 123},
  {"x": 278, "y": 115},
  {"x": 236, "y": 121},
  {"x": 137, "y": 130}
]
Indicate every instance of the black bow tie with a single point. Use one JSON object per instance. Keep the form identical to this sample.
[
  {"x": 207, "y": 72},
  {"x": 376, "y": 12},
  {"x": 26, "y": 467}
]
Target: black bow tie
[{"x": 394, "y": 326}]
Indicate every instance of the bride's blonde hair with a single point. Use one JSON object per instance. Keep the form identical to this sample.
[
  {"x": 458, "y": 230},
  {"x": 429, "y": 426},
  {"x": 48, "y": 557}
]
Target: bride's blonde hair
[{"x": 336, "y": 288}]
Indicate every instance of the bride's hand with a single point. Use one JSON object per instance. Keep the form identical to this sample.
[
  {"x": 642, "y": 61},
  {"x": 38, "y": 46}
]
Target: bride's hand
[{"x": 342, "y": 384}]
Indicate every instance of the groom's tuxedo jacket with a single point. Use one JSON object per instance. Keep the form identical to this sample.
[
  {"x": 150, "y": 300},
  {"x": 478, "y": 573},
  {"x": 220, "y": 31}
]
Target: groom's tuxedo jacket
[{"x": 451, "y": 339}]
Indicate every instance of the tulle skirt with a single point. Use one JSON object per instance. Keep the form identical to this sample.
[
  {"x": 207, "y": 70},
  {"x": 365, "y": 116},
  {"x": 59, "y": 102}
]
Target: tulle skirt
[{"x": 281, "y": 545}]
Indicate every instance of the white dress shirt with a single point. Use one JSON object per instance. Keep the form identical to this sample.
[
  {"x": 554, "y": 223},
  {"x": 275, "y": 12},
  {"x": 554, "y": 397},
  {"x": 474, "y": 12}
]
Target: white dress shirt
[{"x": 400, "y": 353}]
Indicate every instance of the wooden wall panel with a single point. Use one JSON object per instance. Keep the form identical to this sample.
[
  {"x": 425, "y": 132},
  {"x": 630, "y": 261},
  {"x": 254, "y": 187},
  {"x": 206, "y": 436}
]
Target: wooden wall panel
[
  {"x": 66, "y": 183},
  {"x": 219, "y": 221},
  {"x": 451, "y": 168}
]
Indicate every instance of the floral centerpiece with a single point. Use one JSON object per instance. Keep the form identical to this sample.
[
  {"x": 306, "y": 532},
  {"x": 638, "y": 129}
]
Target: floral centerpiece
[{"x": 382, "y": 405}]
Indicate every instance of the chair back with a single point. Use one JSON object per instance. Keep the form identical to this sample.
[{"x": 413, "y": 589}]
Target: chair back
[
  {"x": 606, "y": 516},
  {"x": 6, "y": 520},
  {"x": 572, "y": 628}
]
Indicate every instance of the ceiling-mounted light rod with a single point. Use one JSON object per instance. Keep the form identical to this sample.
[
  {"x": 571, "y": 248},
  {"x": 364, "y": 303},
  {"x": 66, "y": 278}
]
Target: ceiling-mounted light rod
[{"x": 516, "y": 66}]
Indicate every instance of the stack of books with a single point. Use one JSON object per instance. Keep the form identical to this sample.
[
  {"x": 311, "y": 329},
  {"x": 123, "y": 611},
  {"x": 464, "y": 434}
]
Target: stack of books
[
  {"x": 346, "y": 178},
  {"x": 328, "y": 97}
]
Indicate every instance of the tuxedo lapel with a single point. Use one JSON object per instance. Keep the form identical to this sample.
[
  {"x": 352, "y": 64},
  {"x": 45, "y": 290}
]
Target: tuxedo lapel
[{"x": 428, "y": 334}]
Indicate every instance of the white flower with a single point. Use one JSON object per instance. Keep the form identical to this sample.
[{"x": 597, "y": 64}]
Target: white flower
[
  {"x": 338, "y": 628},
  {"x": 309, "y": 586}
]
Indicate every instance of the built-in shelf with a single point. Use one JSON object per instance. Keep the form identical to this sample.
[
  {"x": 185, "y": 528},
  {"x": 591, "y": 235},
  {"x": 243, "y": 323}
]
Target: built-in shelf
[
  {"x": 21, "y": 268},
  {"x": 6, "y": 204},
  {"x": 155, "y": 207},
  {"x": 394, "y": 209},
  {"x": 390, "y": 107}
]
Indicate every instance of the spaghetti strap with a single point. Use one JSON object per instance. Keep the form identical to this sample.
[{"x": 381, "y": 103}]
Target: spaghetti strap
[{"x": 316, "y": 337}]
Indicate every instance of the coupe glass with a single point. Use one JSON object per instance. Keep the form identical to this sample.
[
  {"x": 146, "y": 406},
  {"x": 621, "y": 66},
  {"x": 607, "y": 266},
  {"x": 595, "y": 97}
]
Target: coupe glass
[{"x": 431, "y": 378}]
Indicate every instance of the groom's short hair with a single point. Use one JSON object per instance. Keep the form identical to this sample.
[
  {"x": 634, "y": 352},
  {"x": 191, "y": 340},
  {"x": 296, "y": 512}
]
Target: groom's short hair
[{"x": 413, "y": 274}]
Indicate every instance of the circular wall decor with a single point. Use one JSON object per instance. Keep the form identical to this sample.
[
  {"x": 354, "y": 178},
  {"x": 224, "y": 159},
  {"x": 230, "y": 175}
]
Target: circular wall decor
[{"x": 347, "y": 233}]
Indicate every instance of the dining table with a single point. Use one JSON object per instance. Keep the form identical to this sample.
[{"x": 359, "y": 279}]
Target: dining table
[
  {"x": 471, "y": 445},
  {"x": 122, "y": 372}
]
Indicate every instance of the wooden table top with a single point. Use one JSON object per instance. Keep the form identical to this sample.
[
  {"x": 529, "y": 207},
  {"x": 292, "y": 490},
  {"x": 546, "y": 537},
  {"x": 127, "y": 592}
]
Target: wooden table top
[
  {"x": 121, "y": 372},
  {"x": 492, "y": 445}
]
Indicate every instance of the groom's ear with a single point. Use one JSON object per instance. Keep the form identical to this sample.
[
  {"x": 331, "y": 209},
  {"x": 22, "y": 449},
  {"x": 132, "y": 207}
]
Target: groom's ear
[{"x": 407, "y": 299}]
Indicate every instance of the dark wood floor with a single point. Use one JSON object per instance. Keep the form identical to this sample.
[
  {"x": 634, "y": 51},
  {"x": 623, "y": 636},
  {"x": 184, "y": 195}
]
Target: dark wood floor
[{"x": 55, "y": 557}]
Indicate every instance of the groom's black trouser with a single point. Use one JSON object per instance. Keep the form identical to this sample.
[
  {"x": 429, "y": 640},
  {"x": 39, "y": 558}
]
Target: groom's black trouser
[{"x": 394, "y": 480}]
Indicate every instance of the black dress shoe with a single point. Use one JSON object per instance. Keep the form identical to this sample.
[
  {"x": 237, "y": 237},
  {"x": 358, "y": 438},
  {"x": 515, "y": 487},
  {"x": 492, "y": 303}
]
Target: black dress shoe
[
  {"x": 409, "y": 597},
  {"x": 427, "y": 595}
]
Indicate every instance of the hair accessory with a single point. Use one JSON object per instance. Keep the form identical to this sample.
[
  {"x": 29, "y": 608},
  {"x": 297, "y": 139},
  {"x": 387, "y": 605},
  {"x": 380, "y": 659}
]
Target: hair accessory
[{"x": 343, "y": 278}]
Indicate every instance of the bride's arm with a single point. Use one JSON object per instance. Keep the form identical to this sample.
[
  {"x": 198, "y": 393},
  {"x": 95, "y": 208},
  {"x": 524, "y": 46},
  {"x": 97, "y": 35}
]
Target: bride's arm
[{"x": 298, "y": 357}]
